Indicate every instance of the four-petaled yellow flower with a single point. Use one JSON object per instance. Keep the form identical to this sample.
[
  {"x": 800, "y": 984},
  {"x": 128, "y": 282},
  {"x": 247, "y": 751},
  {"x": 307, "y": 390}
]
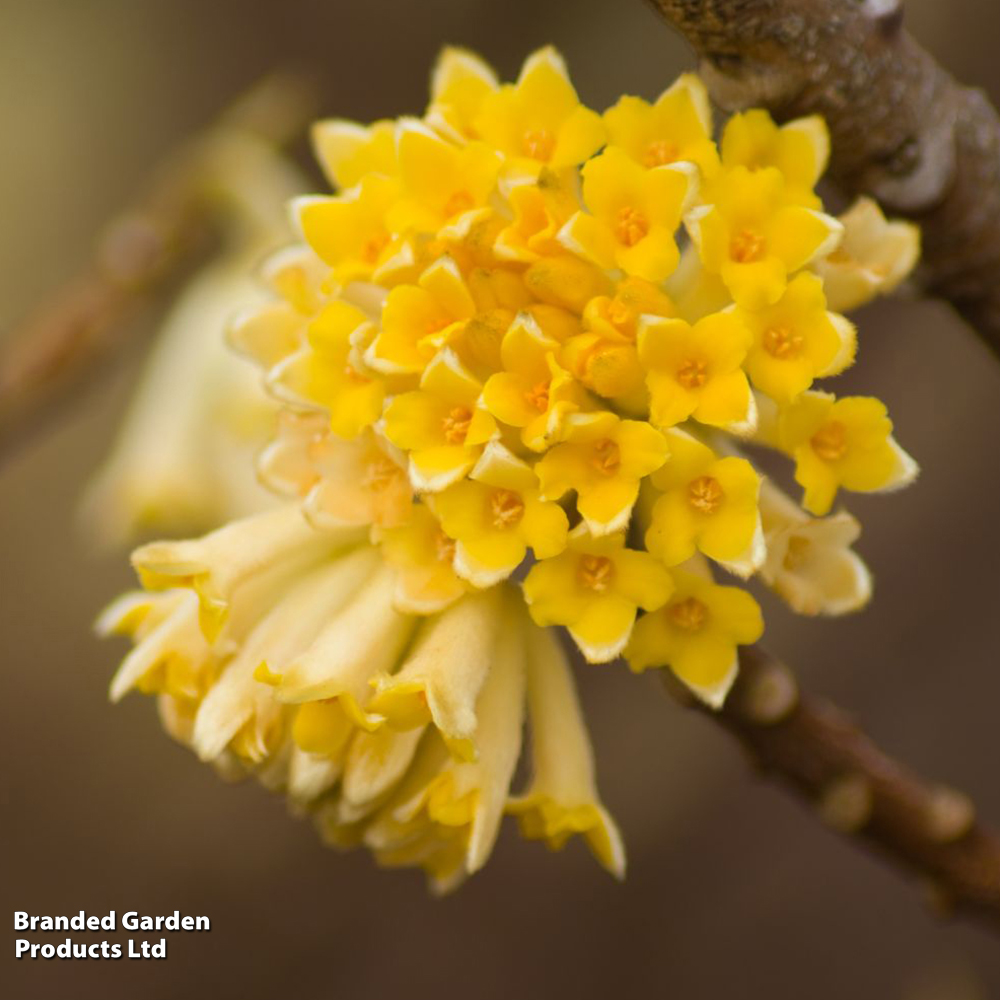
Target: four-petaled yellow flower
[
  {"x": 754, "y": 236},
  {"x": 632, "y": 214},
  {"x": 496, "y": 515},
  {"x": 533, "y": 393},
  {"x": 595, "y": 589},
  {"x": 350, "y": 231},
  {"x": 423, "y": 557},
  {"x": 539, "y": 121},
  {"x": 696, "y": 633},
  {"x": 603, "y": 458},
  {"x": 797, "y": 340},
  {"x": 441, "y": 184},
  {"x": 706, "y": 503},
  {"x": 329, "y": 371},
  {"x": 441, "y": 424},
  {"x": 418, "y": 320},
  {"x": 696, "y": 371},
  {"x": 799, "y": 150},
  {"x": 842, "y": 442},
  {"x": 676, "y": 128}
]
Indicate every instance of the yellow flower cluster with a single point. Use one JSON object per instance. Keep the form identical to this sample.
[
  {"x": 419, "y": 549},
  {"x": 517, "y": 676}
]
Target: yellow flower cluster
[{"x": 522, "y": 340}]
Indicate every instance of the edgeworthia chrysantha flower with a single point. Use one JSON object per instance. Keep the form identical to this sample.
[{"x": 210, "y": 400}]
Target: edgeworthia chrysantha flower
[{"x": 518, "y": 351}]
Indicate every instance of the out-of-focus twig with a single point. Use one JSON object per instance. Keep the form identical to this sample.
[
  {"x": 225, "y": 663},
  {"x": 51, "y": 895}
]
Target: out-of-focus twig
[
  {"x": 817, "y": 750},
  {"x": 902, "y": 129},
  {"x": 140, "y": 251}
]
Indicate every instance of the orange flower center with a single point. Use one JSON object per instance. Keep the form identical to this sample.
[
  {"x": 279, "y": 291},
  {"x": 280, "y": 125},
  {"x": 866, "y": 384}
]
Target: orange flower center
[
  {"x": 538, "y": 396},
  {"x": 444, "y": 547},
  {"x": 460, "y": 201},
  {"x": 354, "y": 376},
  {"x": 782, "y": 343},
  {"x": 689, "y": 614},
  {"x": 606, "y": 458},
  {"x": 372, "y": 248},
  {"x": 455, "y": 425},
  {"x": 507, "y": 508},
  {"x": 830, "y": 441},
  {"x": 659, "y": 153},
  {"x": 795, "y": 554},
  {"x": 538, "y": 143},
  {"x": 630, "y": 226},
  {"x": 596, "y": 573},
  {"x": 380, "y": 473},
  {"x": 746, "y": 247},
  {"x": 705, "y": 494},
  {"x": 692, "y": 374}
]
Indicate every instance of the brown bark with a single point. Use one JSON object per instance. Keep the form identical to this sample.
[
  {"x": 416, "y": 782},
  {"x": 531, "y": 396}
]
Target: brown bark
[
  {"x": 927, "y": 829},
  {"x": 902, "y": 129}
]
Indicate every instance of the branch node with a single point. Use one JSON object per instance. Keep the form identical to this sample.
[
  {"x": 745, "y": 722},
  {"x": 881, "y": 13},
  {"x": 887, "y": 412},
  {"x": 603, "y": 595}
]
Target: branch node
[
  {"x": 950, "y": 815},
  {"x": 770, "y": 695},
  {"x": 847, "y": 803}
]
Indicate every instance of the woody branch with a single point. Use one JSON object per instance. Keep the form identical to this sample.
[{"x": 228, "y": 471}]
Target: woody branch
[{"x": 902, "y": 129}]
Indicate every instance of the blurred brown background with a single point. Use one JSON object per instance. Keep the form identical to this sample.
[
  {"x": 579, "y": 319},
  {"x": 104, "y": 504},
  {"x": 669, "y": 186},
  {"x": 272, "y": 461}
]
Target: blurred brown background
[{"x": 733, "y": 892}]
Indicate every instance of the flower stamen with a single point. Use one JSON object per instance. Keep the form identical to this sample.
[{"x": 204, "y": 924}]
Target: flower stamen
[
  {"x": 630, "y": 226},
  {"x": 506, "y": 508},
  {"x": 746, "y": 247},
  {"x": 693, "y": 374},
  {"x": 455, "y": 425},
  {"x": 689, "y": 614},
  {"x": 596, "y": 573},
  {"x": 539, "y": 144},
  {"x": 782, "y": 343},
  {"x": 659, "y": 153},
  {"x": 830, "y": 441},
  {"x": 606, "y": 457},
  {"x": 705, "y": 494}
]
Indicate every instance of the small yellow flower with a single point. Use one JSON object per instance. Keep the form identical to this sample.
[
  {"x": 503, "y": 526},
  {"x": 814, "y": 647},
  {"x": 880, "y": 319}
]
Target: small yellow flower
[
  {"x": 423, "y": 557},
  {"x": 418, "y": 320},
  {"x": 676, "y": 128},
  {"x": 696, "y": 633},
  {"x": 796, "y": 340},
  {"x": 459, "y": 84},
  {"x": 696, "y": 371},
  {"x": 442, "y": 424},
  {"x": 633, "y": 214},
  {"x": 562, "y": 799},
  {"x": 595, "y": 589},
  {"x": 539, "y": 121},
  {"x": 800, "y": 150},
  {"x": 602, "y": 458},
  {"x": 874, "y": 257},
  {"x": 842, "y": 443},
  {"x": 348, "y": 152},
  {"x": 708, "y": 504},
  {"x": 441, "y": 184},
  {"x": 810, "y": 563},
  {"x": 754, "y": 238},
  {"x": 533, "y": 392},
  {"x": 328, "y": 372},
  {"x": 349, "y": 231},
  {"x": 358, "y": 482},
  {"x": 604, "y": 358},
  {"x": 496, "y": 515},
  {"x": 540, "y": 209}
]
